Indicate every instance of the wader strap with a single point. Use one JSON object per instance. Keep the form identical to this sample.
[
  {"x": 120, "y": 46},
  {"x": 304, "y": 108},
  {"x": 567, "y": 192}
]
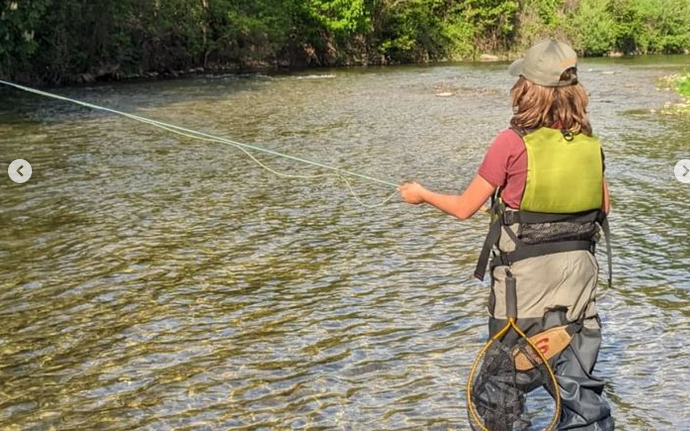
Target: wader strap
[
  {"x": 514, "y": 238},
  {"x": 574, "y": 327},
  {"x": 491, "y": 238},
  {"x": 540, "y": 250},
  {"x": 604, "y": 223}
]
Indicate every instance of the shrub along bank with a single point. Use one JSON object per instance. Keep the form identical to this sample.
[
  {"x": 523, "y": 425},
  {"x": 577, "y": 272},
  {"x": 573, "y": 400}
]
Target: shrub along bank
[{"x": 53, "y": 41}]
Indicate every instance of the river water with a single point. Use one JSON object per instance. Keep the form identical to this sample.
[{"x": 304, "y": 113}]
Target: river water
[{"x": 154, "y": 282}]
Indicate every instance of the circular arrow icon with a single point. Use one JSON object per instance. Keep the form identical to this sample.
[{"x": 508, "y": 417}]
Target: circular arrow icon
[
  {"x": 20, "y": 171},
  {"x": 682, "y": 171}
]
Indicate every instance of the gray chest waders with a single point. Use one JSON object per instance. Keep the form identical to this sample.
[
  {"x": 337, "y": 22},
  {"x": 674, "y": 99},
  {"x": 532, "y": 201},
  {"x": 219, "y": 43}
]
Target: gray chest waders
[{"x": 541, "y": 234}]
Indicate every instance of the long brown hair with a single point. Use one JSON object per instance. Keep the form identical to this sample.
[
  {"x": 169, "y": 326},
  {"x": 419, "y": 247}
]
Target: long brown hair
[{"x": 538, "y": 106}]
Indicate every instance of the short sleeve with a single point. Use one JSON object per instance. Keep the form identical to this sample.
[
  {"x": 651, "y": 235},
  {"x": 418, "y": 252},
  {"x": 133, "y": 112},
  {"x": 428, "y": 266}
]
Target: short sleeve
[{"x": 494, "y": 168}]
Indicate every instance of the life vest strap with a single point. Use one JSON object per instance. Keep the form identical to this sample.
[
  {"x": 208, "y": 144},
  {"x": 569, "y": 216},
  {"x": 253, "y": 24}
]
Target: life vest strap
[{"x": 527, "y": 217}]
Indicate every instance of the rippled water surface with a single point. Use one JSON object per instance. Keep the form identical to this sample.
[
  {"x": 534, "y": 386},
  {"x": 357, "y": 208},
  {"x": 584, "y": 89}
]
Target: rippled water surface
[{"x": 154, "y": 282}]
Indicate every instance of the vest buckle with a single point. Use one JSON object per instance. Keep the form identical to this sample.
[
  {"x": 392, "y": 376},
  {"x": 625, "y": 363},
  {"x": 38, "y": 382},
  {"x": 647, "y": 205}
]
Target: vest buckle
[{"x": 510, "y": 218}]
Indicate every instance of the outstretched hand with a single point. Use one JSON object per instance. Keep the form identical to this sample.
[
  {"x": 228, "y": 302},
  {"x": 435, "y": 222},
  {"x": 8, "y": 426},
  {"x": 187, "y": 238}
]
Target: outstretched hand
[{"x": 412, "y": 192}]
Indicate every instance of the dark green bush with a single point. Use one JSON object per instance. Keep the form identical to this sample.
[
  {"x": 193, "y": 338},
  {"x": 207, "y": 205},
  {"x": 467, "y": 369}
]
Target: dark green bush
[{"x": 64, "y": 40}]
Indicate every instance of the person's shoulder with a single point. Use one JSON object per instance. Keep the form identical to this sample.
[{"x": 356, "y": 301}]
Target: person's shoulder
[
  {"x": 508, "y": 138},
  {"x": 510, "y": 134}
]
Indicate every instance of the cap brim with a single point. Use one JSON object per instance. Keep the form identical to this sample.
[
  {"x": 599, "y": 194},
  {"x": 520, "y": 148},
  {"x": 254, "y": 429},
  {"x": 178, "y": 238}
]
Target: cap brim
[{"x": 515, "y": 69}]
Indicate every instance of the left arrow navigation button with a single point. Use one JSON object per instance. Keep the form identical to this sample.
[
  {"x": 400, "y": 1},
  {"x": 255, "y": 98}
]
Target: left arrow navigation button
[{"x": 20, "y": 171}]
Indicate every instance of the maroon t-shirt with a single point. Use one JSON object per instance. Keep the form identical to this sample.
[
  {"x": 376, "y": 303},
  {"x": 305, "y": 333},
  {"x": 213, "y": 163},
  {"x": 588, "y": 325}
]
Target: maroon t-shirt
[{"x": 505, "y": 166}]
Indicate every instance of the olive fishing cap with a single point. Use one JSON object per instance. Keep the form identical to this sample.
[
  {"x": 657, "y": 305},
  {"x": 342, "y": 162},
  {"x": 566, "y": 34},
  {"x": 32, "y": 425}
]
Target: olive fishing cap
[{"x": 545, "y": 62}]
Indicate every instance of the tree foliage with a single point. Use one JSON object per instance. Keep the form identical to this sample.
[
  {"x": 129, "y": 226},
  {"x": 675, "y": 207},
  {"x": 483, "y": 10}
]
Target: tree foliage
[{"x": 60, "y": 40}]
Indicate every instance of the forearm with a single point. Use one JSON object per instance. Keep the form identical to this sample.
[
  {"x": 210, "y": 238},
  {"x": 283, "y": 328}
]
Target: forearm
[
  {"x": 461, "y": 206},
  {"x": 451, "y": 204}
]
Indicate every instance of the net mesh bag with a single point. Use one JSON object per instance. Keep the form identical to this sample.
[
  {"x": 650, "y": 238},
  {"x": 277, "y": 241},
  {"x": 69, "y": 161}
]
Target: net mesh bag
[
  {"x": 505, "y": 399},
  {"x": 539, "y": 233}
]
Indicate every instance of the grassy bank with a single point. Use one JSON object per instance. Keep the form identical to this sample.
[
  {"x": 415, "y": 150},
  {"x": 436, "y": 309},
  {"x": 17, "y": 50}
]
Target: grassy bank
[
  {"x": 682, "y": 84},
  {"x": 679, "y": 83}
]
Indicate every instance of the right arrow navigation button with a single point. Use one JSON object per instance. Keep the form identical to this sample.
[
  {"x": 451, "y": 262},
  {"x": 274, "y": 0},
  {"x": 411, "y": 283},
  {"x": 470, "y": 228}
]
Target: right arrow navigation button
[{"x": 682, "y": 171}]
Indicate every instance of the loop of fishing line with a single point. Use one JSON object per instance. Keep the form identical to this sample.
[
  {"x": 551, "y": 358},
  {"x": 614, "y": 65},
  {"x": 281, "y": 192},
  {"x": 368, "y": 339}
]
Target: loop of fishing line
[{"x": 193, "y": 134}]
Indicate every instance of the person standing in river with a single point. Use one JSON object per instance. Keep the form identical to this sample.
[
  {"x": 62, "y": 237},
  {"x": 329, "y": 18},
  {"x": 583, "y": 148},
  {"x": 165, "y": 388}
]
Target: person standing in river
[{"x": 545, "y": 175}]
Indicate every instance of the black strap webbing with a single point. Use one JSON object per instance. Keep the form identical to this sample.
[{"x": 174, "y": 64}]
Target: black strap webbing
[
  {"x": 497, "y": 209},
  {"x": 604, "y": 223},
  {"x": 535, "y": 250},
  {"x": 491, "y": 238},
  {"x": 527, "y": 217}
]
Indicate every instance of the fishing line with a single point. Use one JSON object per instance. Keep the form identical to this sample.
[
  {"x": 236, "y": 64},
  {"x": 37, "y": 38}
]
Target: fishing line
[
  {"x": 245, "y": 148},
  {"x": 273, "y": 171}
]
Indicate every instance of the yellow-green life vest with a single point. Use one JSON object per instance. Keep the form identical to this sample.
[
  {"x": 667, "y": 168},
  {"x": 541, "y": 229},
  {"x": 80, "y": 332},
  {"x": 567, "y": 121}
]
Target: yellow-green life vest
[
  {"x": 565, "y": 175},
  {"x": 564, "y": 172}
]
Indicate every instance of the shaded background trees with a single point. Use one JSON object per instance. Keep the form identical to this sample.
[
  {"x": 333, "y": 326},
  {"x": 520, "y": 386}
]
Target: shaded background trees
[{"x": 63, "y": 40}]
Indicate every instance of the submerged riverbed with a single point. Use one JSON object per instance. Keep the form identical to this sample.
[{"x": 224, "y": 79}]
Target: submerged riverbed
[{"x": 154, "y": 282}]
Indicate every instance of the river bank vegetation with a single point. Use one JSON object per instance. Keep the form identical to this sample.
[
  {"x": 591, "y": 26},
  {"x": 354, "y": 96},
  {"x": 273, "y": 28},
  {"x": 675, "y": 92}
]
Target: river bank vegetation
[
  {"x": 57, "y": 41},
  {"x": 683, "y": 85},
  {"x": 680, "y": 83}
]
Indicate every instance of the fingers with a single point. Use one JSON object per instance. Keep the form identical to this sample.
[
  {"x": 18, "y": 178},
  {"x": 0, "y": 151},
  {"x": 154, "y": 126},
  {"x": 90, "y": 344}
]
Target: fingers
[
  {"x": 410, "y": 192},
  {"x": 407, "y": 186}
]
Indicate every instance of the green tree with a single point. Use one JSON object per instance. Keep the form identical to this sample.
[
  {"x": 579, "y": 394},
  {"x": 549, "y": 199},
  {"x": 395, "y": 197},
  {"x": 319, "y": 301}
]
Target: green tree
[
  {"x": 493, "y": 21},
  {"x": 61, "y": 40},
  {"x": 18, "y": 24},
  {"x": 592, "y": 28},
  {"x": 670, "y": 25}
]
